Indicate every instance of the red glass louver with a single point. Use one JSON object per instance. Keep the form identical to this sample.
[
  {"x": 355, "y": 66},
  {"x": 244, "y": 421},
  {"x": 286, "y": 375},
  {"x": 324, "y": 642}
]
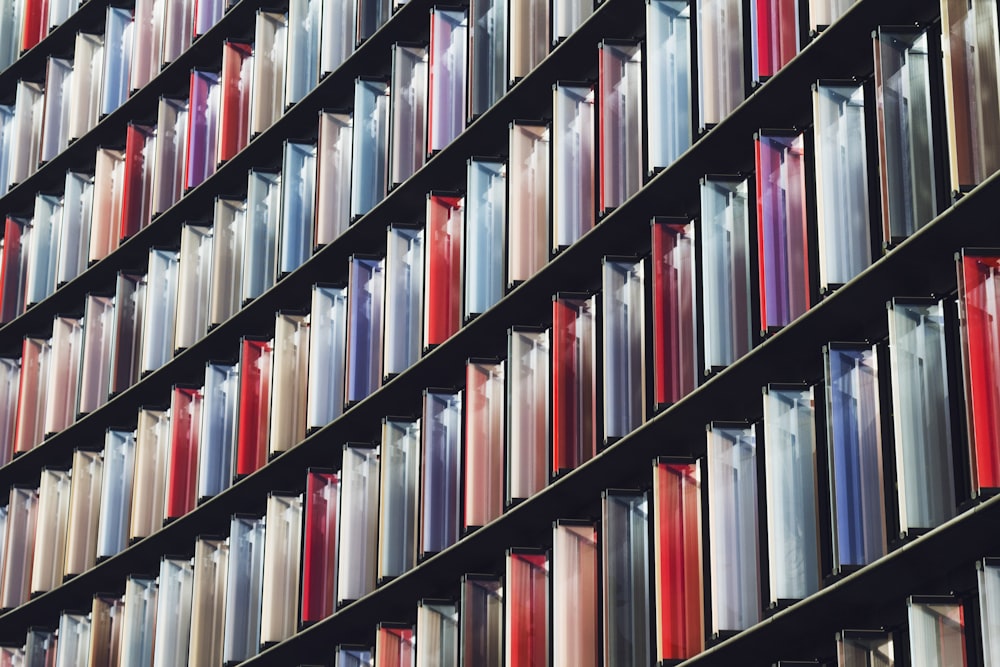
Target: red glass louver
[
  {"x": 776, "y": 34},
  {"x": 12, "y": 275},
  {"x": 483, "y": 460},
  {"x": 137, "y": 196},
  {"x": 394, "y": 645},
  {"x": 527, "y": 614},
  {"x": 319, "y": 552},
  {"x": 182, "y": 462},
  {"x": 443, "y": 290},
  {"x": 36, "y": 18},
  {"x": 673, "y": 310},
  {"x": 234, "y": 99},
  {"x": 574, "y": 403},
  {"x": 254, "y": 406}
]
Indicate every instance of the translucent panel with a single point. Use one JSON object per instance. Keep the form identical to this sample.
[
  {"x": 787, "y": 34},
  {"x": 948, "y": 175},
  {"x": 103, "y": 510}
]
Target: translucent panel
[
  {"x": 333, "y": 176},
  {"x": 353, "y": 656},
  {"x": 527, "y": 411},
  {"x": 782, "y": 228},
  {"x": 147, "y": 43},
  {"x": 33, "y": 27},
  {"x": 404, "y": 293},
  {"x": 483, "y": 456},
  {"x": 254, "y": 406},
  {"x": 13, "y": 267},
  {"x": 674, "y": 310},
  {"x": 623, "y": 329},
  {"x": 298, "y": 200},
  {"x": 906, "y": 148},
  {"x": 6, "y": 143},
  {"x": 10, "y": 375},
  {"x": 202, "y": 128},
  {"x": 526, "y": 608},
  {"x": 290, "y": 366},
  {"x": 282, "y": 556},
  {"x": 116, "y": 491},
  {"x": 790, "y": 492},
  {"x": 440, "y": 471},
  {"x": 137, "y": 186},
  {"x": 269, "y": 47},
  {"x": 50, "y": 531},
  {"x": 823, "y": 13},
  {"x": 371, "y": 145},
  {"x": 338, "y": 30},
  {"x": 85, "y": 85},
  {"x": 572, "y": 163},
  {"x": 625, "y": 578},
  {"x": 734, "y": 560},
  {"x": 854, "y": 442},
  {"x": 865, "y": 649},
  {"x": 263, "y": 217},
  {"x": 841, "y": 183},
  {"x": 677, "y": 559},
  {"x": 43, "y": 248},
  {"x": 319, "y": 547},
  {"x": 117, "y": 59},
  {"x": 394, "y": 645},
  {"x": 84, "y": 508},
  {"x": 193, "y": 285},
  {"x": 130, "y": 301},
  {"x": 529, "y": 37},
  {"x": 921, "y": 413},
  {"x": 442, "y": 296},
  {"x": 160, "y": 309},
  {"x": 138, "y": 621},
  {"x": 364, "y": 327},
  {"x": 168, "y": 172},
  {"x": 228, "y": 234},
  {"x": 399, "y": 497},
  {"x": 620, "y": 134},
  {"x": 937, "y": 631},
  {"x": 359, "y": 495},
  {"x": 481, "y": 621},
  {"x": 29, "y": 430},
  {"x": 407, "y": 112},
  {"x": 64, "y": 372},
  {"x": 969, "y": 42},
  {"x": 206, "y": 14},
  {"x": 152, "y": 445},
  {"x": 106, "y": 621},
  {"x": 40, "y": 647},
  {"x": 720, "y": 59},
  {"x": 327, "y": 350},
  {"x": 219, "y": 413},
  {"x": 211, "y": 562},
  {"x": 775, "y": 36},
  {"x": 371, "y": 14},
  {"x": 236, "y": 83},
  {"x": 182, "y": 463},
  {"x": 725, "y": 273},
  {"x": 10, "y": 22},
  {"x": 302, "y": 66},
  {"x": 487, "y": 54},
  {"x": 568, "y": 16},
  {"x": 173, "y": 613},
  {"x": 77, "y": 214},
  {"x": 243, "y": 589},
  {"x": 109, "y": 190},
  {"x": 19, "y": 544},
  {"x": 446, "y": 82},
  {"x": 437, "y": 628},
  {"x": 178, "y": 25},
  {"x": 26, "y": 140},
  {"x": 74, "y": 640},
  {"x": 574, "y": 381},
  {"x": 58, "y": 102},
  {"x": 979, "y": 307},
  {"x": 528, "y": 213},
  {"x": 483, "y": 237},
  {"x": 575, "y": 613}
]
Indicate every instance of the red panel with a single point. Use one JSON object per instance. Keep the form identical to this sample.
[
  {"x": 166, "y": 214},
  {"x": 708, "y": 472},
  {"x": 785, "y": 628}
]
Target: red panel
[
  {"x": 36, "y": 18},
  {"x": 527, "y": 615},
  {"x": 677, "y": 550},
  {"x": 234, "y": 99},
  {"x": 484, "y": 444},
  {"x": 776, "y": 36},
  {"x": 254, "y": 407},
  {"x": 673, "y": 312},
  {"x": 11, "y": 276},
  {"x": 979, "y": 299},
  {"x": 319, "y": 553},
  {"x": 574, "y": 437},
  {"x": 137, "y": 197},
  {"x": 28, "y": 426},
  {"x": 444, "y": 268},
  {"x": 394, "y": 647},
  {"x": 182, "y": 465}
]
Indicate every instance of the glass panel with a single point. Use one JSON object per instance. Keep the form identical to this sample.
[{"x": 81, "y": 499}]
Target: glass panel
[
  {"x": 442, "y": 297},
  {"x": 906, "y": 148},
  {"x": 371, "y": 143},
  {"x": 228, "y": 234},
  {"x": 921, "y": 412},
  {"x": 440, "y": 471},
  {"x": 319, "y": 550},
  {"x": 371, "y": 14},
  {"x": 359, "y": 496},
  {"x": 775, "y": 35},
  {"x": 106, "y": 630},
  {"x": 527, "y": 412},
  {"x": 624, "y": 346},
  {"x": 481, "y": 621},
  {"x": 487, "y": 53},
  {"x": 526, "y": 608},
  {"x": 206, "y": 14},
  {"x": 399, "y": 498},
  {"x": 6, "y": 144},
  {"x": 152, "y": 446},
  {"x": 364, "y": 327},
  {"x": 168, "y": 172},
  {"x": 528, "y": 199},
  {"x": 568, "y": 16},
  {"x": 173, "y": 612},
  {"x": 219, "y": 414},
  {"x": 854, "y": 440},
  {"x": 130, "y": 300},
  {"x": 353, "y": 657},
  {"x": 64, "y": 372},
  {"x": 529, "y": 39},
  {"x": 437, "y": 629},
  {"x": 782, "y": 228},
  {"x": 720, "y": 59},
  {"x": 194, "y": 276},
  {"x": 333, "y": 176},
  {"x": 10, "y": 377},
  {"x": 244, "y": 583},
  {"x": 621, "y": 121},
  {"x": 574, "y": 594},
  {"x": 85, "y": 86},
  {"x": 989, "y": 608},
  {"x": 10, "y": 23},
  {"x": 254, "y": 406},
  {"x": 298, "y": 200},
  {"x": 160, "y": 309},
  {"x": 95, "y": 362},
  {"x": 13, "y": 267},
  {"x": 303, "y": 51},
  {"x": 58, "y": 102},
  {"x": 182, "y": 464},
  {"x": 404, "y": 291},
  {"x": 625, "y": 578},
  {"x": 137, "y": 187},
  {"x": 483, "y": 455},
  {"x": 74, "y": 640},
  {"x": 268, "y": 86},
  {"x": 178, "y": 24},
  {"x": 572, "y": 163},
  {"x": 734, "y": 558},
  {"x": 19, "y": 544},
  {"x": 282, "y": 556},
  {"x": 725, "y": 273},
  {"x": 50, "y": 530},
  {"x": 674, "y": 311},
  {"x": 327, "y": 331},
  {"x": 446, "y": 80},
  {"x": 678, "y": 561},
  {"x": 394, "y": 645},
  {"x": 289, "y": 377},
  {"x": 29, "y": 430},
  {"x": 118, "y": 58},
  {"x": 211, "y": 562},
  {"x": 407, "y": 112},
  {"x": 77, "y": 219},
  {"x": 234, "y": 99},
  {"x": 263, "y": 217},
  {"x": 338, "y": 32},
  {"x": 84, "y": 508},
  {"x": 937, "y": 632},
  {"x": 574, "y": 386},
  {"x": 790, "y": 492},
  {"x": 109, "y": 191},
  {"x": 138, "y": 621},
  {"x": 202, "y": 128},
  {"x": 823, "y": 13},
  {"x": 864, "y": 649},
  {"x": 485, "y": 218},
  {"x": 147, "y": 43},
  {"x": 841, "y": 183},
  {"x": 43, "y": 247}
]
